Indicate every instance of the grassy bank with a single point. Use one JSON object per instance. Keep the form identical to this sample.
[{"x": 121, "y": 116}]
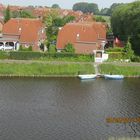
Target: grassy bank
[
  {"x": 119, "y": 69},
  {"x": 40, "y": 69}
]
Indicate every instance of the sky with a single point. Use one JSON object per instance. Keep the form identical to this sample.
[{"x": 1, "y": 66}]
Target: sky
[{"x": 66, "y": 4}]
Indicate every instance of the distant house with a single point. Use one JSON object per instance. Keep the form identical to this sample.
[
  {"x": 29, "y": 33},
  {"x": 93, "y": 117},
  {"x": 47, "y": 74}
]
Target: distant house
[
  {"x": 85, "y": 37},
  {"x": 25, "y": 32}
]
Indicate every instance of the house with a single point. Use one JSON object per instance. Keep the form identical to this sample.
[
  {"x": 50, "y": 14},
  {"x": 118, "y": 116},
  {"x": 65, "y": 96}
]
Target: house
[
  {"x": 26, "y": 32},
  {"x": 85, "y": 37}
]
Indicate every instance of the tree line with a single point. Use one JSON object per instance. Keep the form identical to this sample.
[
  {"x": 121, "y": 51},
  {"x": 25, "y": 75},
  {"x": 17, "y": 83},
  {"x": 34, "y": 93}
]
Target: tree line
[{"x": 93, "y": 8}]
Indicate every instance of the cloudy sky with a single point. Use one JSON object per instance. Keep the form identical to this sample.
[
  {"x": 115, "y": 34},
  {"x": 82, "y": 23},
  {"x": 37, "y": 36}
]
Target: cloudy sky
[{"x": 63, "y": 3}]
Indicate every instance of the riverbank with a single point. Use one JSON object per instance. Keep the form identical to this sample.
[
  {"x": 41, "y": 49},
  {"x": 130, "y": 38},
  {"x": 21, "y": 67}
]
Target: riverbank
[
  {"x": 126, "y": 69},
  {"x": 38, "y": 69}
]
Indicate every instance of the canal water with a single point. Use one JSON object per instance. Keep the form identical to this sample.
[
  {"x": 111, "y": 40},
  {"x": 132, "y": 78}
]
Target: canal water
[{"x": 67, "y": 108}]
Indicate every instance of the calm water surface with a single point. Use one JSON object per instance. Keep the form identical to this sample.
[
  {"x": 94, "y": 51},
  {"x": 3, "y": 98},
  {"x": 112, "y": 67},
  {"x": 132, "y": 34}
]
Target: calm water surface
[{"x": 67, "y": 108}]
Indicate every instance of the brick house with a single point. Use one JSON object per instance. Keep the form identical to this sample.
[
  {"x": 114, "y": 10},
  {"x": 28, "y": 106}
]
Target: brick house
[
  {"x": 85, "y": 37},
  {"x": 27, "y": 32}
]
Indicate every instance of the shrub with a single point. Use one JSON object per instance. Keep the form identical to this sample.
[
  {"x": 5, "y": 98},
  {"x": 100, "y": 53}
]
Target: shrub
[
  {"x": 21, "y": 48},
  {"x": 135, "y": 59},
  {"x": 52, "y": 49},
  {"x": 4, "y": 55},
  {"x": 69, "y": 48},
  {"x": 25, "y": 55},
  {"x": 115, "y": 49}
]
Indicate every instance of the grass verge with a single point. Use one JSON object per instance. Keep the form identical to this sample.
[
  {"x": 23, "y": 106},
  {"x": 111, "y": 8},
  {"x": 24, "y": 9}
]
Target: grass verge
[
  {"x": 40, "y": 69},
  {"x": 116, "y": 69}
]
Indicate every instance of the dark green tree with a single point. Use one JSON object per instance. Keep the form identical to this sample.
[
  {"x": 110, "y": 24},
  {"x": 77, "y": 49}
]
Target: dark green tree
[
  {"x": 7, "y": 15},
  {"x": 86, "y": 7},
  {"x": 128, "y": 50},
  {"x": 56, "y": 6},
  {"x": 125, "y": 22}
]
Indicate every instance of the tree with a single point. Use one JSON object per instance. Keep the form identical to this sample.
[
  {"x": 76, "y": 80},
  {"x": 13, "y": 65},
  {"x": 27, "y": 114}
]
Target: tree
[
  {"x": 125, "y": 22},
  {"x": 7, "y": 15},
  {"x": 128, "y": 50},
  {"x": 112, "y": 8},
  {"x": 104, "y": 11},
  {"x": 100, "y": 19},
  {"x": 86, "y": 7},
  {"x": 55, "y": 6},
  {"x": 69, "y": 48}
]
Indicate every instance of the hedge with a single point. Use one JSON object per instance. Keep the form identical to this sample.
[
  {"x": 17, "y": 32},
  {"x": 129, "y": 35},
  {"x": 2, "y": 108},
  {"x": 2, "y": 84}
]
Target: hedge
[
  {"x": 28, "y": 55},
  {"x": 116, "y": 55}
]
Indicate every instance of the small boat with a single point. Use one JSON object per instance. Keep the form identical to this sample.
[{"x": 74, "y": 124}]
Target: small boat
[
  {"x": 115, "y": 77},
  {"x": 87, "y": 76}
]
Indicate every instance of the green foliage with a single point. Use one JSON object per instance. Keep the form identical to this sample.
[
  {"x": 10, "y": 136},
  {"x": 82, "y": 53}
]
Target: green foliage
[
  {"x": 113, "y": 7},
  {"x": 4, "y": 55},
  {"x": 56, "y": 6},
  {"x": 26, "y": 55},
  {"x": 7, "y": 15},
  {"x": 119, "y": 69},
  {"x": 116, "y": 56},
  {"x": 114, "y": 49},
  {"x": 135, "y": 59},
  {"x": 52, "y": 49},
  {"x": 104, "y": 11},
  {"x": 21, "y": 48},
  {"x": 69, "y": 48},
  {"x": 86, "y": 7},
  {"x": 100, "y": 19},
  {"x": 22, "y": 14},
  {"x": 125, "y": 22},
  {"x": 128, "y": 50}
]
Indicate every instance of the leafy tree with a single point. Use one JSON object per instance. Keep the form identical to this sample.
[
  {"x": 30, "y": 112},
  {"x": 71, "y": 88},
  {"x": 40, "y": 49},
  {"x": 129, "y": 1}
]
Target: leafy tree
[
  {"x": 56, "y": 6},
  {"x": 86, "y": 7},
  {"x": 7, "y": 15},
  {"x": 22, "y": 14},
  {"x": 104, "y": 11},
  {"x": 112, "y": 8},
  {"x": 125, "y": 22},
  {"x": 69, "y": 48},
  {"x": 128, "y": 50},
  {"x": 100, "y": 19},
  {"x": 52, "y": 49}
]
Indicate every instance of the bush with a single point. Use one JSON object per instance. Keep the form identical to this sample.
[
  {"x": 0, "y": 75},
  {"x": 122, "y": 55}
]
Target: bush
[
  {"x": 135, "y": 59},
  {"x": 52, "y": 49},
  {"x": 69, "y": 48},
  {"x": 25, "y": 55},
  {"x": 116, "y": 55},
  {"x": 28, "y": 55},
  {"x": 115, "y": 49},
  {"x": 21, "y": 48},
  {"x": 4, "y": 55}
]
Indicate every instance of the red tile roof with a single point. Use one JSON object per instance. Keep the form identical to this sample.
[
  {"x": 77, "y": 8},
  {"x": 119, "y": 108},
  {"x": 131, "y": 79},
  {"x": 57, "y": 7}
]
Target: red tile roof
[
  {"x": 29, "y": 30},
  {"x": 91, "y": 32}
]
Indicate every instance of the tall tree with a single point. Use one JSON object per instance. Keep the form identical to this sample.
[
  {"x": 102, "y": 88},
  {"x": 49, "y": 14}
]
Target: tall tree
[
  {"x": 55, "y": 6},
  {"x": 125, "y": 22},
  {"x": 7, "y": 15},
  {"x": 86, "y": 7}
]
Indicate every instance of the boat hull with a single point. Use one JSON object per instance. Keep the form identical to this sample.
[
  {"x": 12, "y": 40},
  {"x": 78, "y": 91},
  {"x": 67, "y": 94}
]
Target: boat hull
[
  {"x": 87, "y": 76},
  {"x": 115, "y": 77}
]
